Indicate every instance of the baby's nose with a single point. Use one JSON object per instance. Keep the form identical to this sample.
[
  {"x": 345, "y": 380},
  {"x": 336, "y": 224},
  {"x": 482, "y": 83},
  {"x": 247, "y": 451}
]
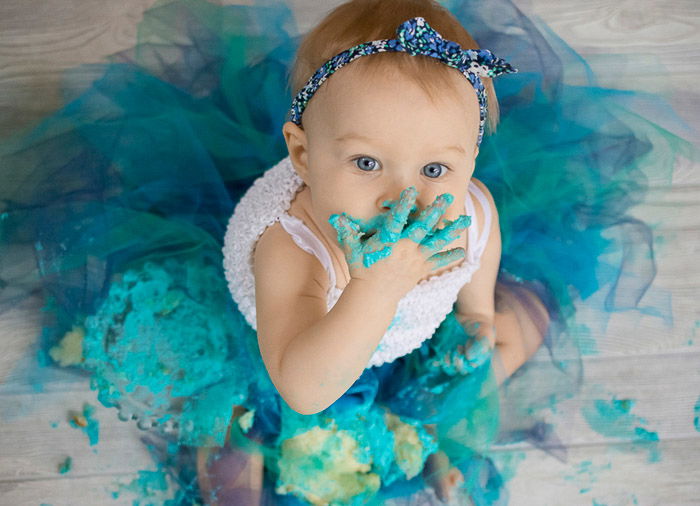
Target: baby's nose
[{"x": 388, "y": 202}]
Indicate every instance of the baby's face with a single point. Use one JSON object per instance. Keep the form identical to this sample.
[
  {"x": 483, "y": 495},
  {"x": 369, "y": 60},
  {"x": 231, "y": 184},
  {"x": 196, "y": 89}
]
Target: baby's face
[{"x": 365, "y": 139}]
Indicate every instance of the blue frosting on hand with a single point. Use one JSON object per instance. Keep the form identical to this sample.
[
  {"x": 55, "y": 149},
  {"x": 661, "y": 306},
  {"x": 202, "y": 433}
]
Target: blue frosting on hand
[{"x": 386, "y": 228}]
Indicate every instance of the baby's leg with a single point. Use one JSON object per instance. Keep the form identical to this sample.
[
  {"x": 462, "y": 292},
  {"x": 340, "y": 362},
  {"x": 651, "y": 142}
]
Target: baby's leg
[
  {"x": 438, "y": 472},
  {"x": 229, "y": 475},
  {"x": 521, "y": 322}
]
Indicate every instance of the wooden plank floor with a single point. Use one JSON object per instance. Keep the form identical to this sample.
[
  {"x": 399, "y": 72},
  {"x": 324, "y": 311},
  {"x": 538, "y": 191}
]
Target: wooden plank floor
[{"x": 656, "y": 363}]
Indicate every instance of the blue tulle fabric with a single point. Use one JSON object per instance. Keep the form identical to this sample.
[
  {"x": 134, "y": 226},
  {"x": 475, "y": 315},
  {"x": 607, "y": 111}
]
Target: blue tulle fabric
[{"x": 122, "y": 196}]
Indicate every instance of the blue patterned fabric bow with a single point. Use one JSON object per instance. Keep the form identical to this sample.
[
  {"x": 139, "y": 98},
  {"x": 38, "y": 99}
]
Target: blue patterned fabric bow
[{"x": 418, "y": 37}]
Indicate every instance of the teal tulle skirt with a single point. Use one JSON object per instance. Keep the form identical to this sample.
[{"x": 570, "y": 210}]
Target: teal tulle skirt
[{"x": 121, "y": 197}]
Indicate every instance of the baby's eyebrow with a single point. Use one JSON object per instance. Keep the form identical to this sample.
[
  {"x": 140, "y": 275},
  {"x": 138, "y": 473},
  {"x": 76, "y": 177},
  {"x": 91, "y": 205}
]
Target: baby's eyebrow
[
  {"x": 352, "y": 136},
  {"x": 359, "y": 137}
]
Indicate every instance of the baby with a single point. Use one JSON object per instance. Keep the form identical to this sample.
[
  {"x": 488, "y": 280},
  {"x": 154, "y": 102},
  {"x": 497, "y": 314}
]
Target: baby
[{"x": 386, "y": 150}]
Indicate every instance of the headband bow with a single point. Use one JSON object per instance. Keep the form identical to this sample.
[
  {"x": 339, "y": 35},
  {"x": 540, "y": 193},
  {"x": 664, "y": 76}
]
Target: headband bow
[{"x": 416, "y": 37}]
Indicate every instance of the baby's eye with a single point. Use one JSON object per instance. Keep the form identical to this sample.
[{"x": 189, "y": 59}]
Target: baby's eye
[
  {"x": 367, "y": 163},
  {"x": 433, "y": 169}
]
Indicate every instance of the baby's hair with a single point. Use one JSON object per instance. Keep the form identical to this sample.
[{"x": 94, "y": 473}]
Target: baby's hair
[{"x": 358, "y": 21}]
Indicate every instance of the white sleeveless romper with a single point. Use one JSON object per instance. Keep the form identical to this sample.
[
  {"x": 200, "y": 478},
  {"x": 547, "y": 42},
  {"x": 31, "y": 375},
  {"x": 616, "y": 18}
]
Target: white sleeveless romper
[{"x": 419, "y": 313}]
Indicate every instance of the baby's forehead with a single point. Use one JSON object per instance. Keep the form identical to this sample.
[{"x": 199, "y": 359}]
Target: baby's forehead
[
  {"x": 360, "y": 101},
  {"x": 439, "y": 82},
  {"x": 363, "y": 95}
]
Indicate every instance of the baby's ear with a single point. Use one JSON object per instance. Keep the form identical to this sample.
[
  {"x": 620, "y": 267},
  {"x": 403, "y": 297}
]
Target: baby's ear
[{"x": 295, "y": 138}]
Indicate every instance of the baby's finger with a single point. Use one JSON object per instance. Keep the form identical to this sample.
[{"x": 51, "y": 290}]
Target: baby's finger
[
  {"x": 373, "y": 249},
  {"x": 370, "y": 257},
  {"x": 445, "y": 235},
  {"x": 460, "y": 363},
  {"x": 391, "y": 203},
  {"x": 389, "y": 225},
  {"x": 348, "y": 236},
  {"x": 394, "y": 221},
  {"x": 342, "y": 228},
  {"x": 362, "y": 250},
  {"x": 479, "y": 352},
  {"x": 428, "y": 218},
  {"x": 374, "y": 224},
  {"x": 444, "y": 258}
]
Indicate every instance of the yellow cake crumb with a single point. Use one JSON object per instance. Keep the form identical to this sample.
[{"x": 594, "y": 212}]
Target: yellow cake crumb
[
  {"x": 69, "y": 350},
  {"x": 407, "y": 445}
]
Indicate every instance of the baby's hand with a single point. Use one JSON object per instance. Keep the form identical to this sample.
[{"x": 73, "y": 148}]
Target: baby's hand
[
  {"x": 469, "y": 356},
  {"x": 403, "y": 262}
]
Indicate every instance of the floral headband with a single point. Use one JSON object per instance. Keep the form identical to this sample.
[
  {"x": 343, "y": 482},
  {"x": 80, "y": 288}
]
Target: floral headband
[{"x": 414, "y": 36}]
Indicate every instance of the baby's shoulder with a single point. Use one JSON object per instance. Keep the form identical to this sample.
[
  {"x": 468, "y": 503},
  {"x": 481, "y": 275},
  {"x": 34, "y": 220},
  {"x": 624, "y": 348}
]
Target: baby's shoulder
[{"x": 278, "y": 259}]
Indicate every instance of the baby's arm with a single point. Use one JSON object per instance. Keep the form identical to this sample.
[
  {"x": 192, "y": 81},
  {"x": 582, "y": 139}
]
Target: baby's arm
[
  {"x": 313, "y": 355},
  {"x": 476, "y": 304}
]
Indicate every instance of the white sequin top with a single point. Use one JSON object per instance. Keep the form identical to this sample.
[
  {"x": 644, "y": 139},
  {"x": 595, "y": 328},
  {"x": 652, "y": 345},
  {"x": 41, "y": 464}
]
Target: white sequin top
[{"x": 419, "y": 312}]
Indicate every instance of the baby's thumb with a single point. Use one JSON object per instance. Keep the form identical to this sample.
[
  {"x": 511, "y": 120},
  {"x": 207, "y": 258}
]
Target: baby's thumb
[{"x": 348, "y": 236}]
